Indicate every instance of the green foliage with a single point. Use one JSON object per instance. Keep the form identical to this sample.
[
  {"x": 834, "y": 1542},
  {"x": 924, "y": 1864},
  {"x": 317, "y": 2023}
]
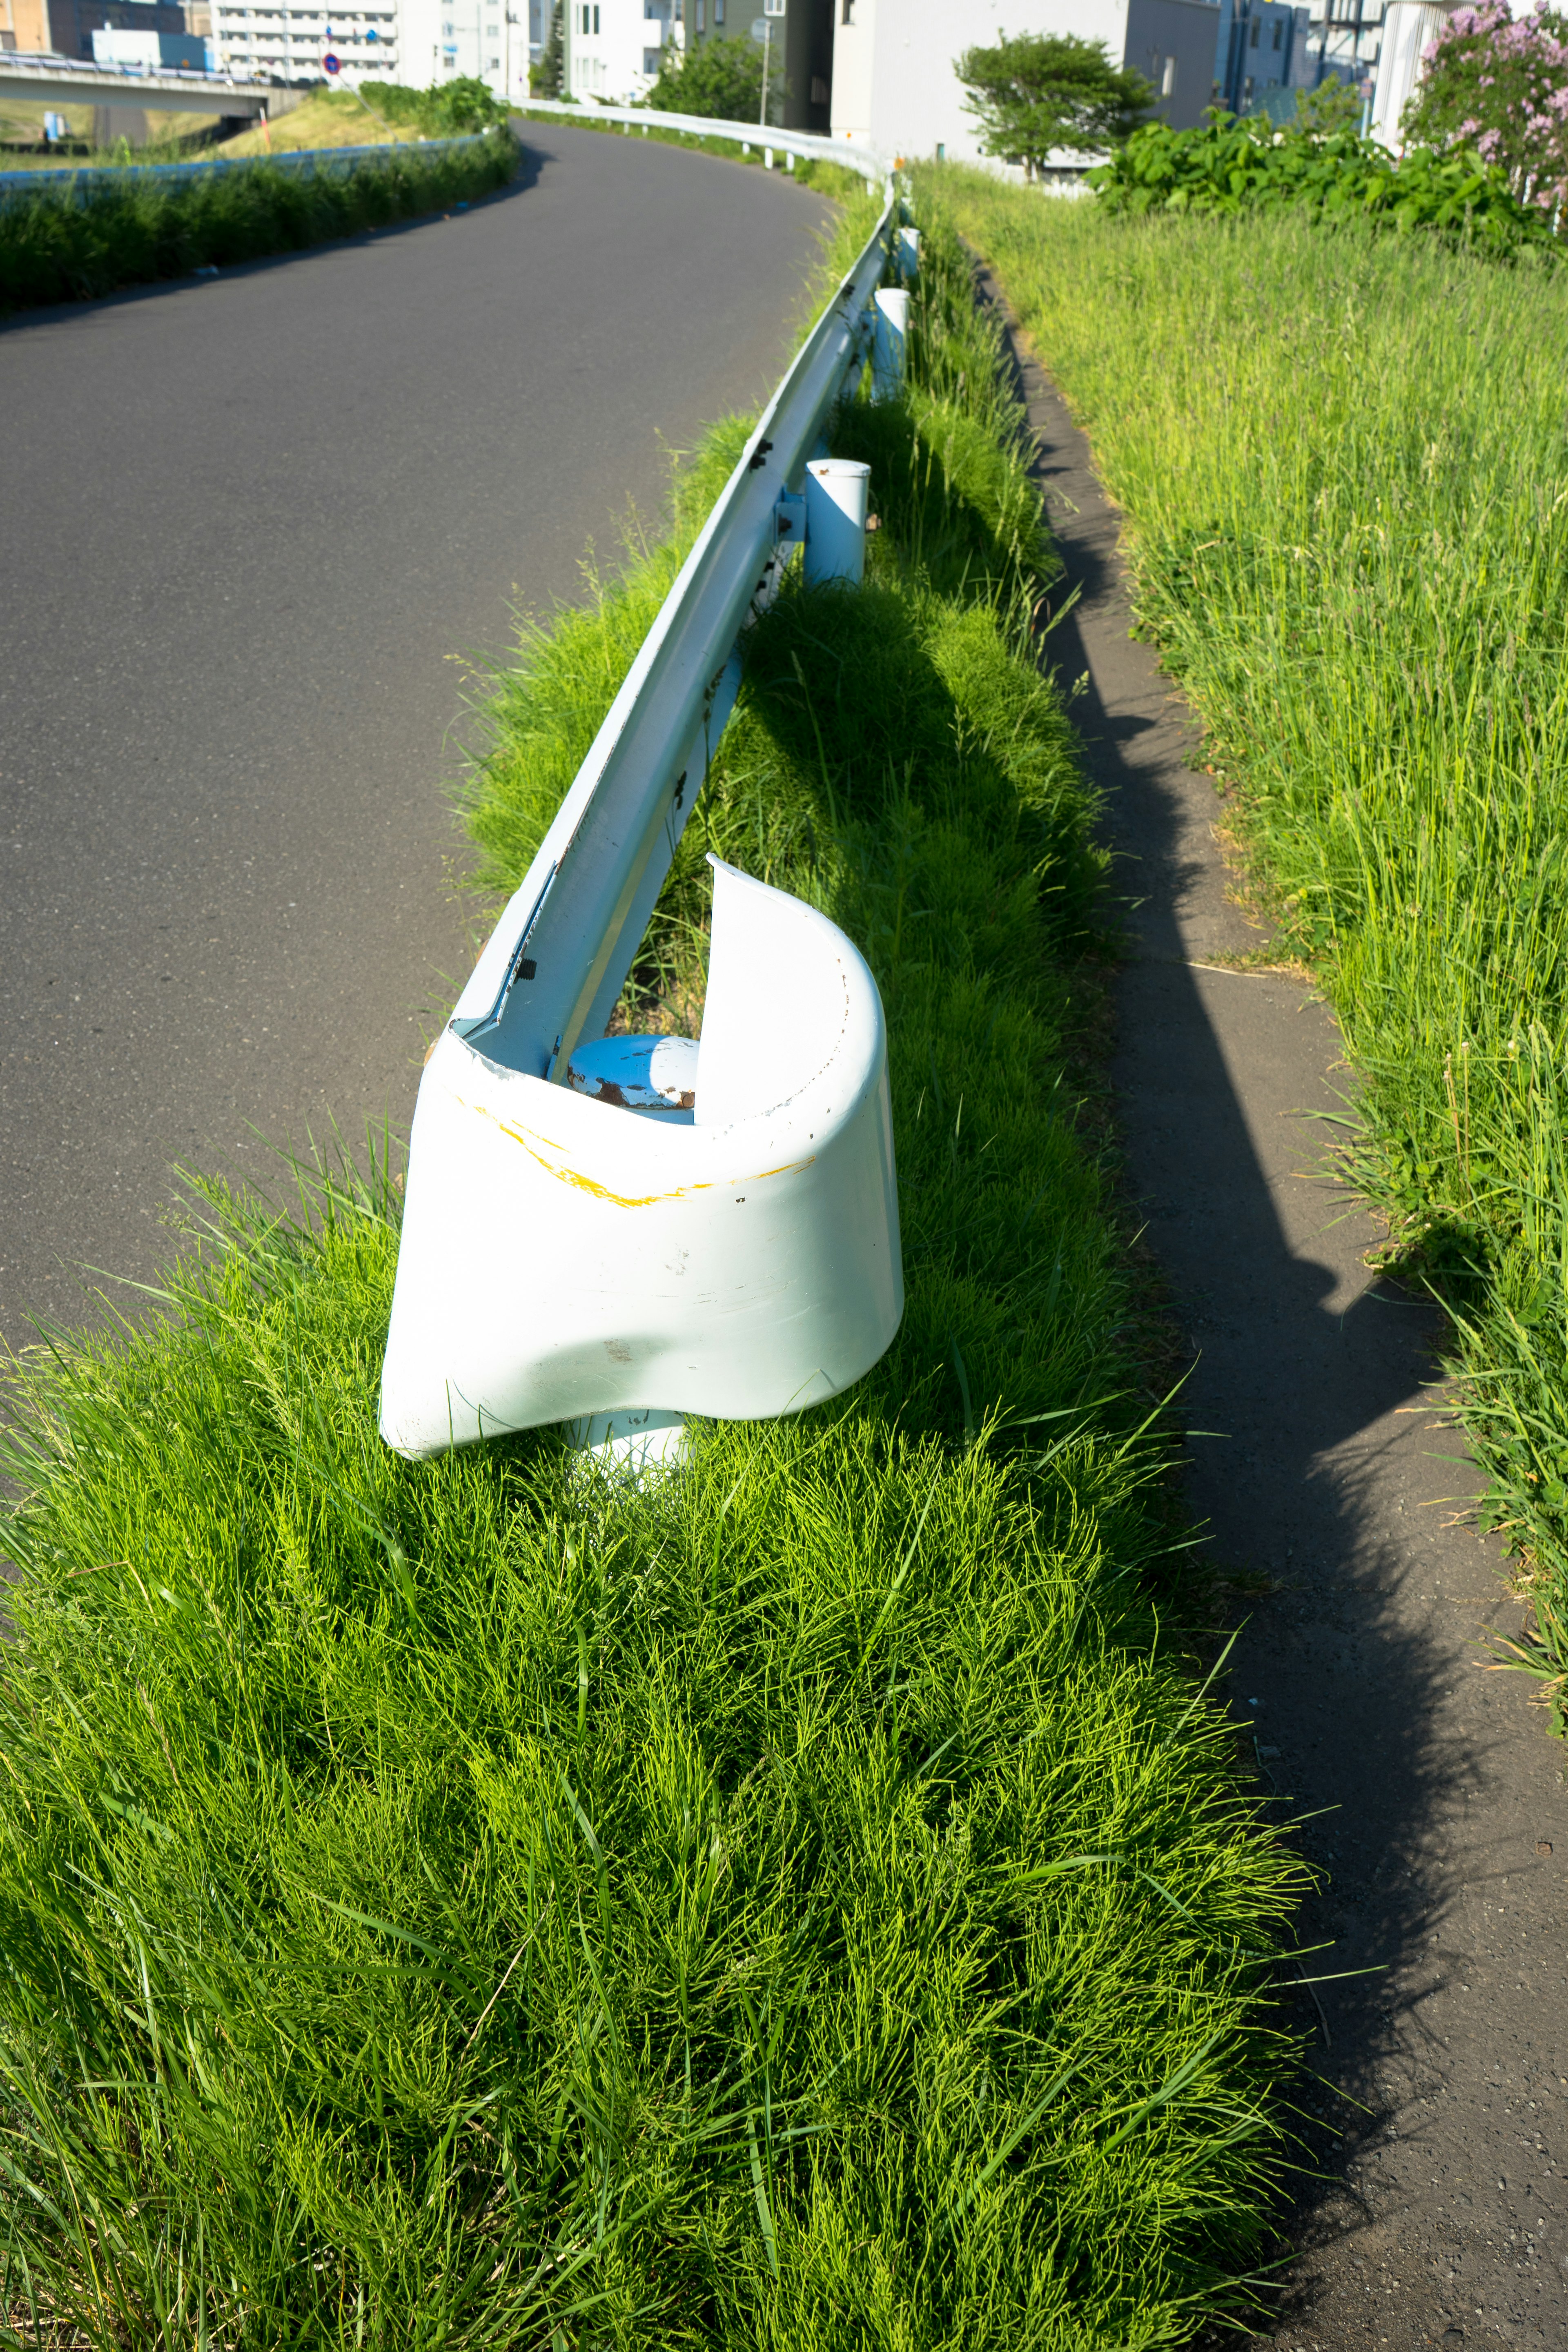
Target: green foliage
[
  {"x": 445, "y": 110},
  {"x": 547, "y": 79},
  {"x": 1045, "y": 93},
  {"x": 1499, "y": 84},
  {"x": 462, "y": 1904},
  {"x": 1345, "y": 464},
  {"x": 1334, "y": 106},
  {"x": 54, "y": 249},
  {"x": 723, "y": 79},
  {"x": 1230, "y": 166}
]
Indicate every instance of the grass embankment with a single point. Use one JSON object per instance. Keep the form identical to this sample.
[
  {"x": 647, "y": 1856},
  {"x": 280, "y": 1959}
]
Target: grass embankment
[
  {"x": 55, "y": 249},
  {"x": 1345, "y": 466},
  {"x": 803, "y": 1904},
  {"x": 331, "y": 118}
]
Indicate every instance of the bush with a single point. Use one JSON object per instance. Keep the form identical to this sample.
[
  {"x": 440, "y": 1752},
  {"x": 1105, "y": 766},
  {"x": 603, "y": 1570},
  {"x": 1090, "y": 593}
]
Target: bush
[
  {"x": 55, "y": 249},
  {"x": 1230, "y": 166},
  {"x": 1500, "y": 86},
  {"x": 445, "y": 110},
  {"x": 722, "y": 79}
]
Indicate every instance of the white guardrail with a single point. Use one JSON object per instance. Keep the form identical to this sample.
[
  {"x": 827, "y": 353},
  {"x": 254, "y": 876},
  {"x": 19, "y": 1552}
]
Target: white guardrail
[{"x": 613, "y": 1231}]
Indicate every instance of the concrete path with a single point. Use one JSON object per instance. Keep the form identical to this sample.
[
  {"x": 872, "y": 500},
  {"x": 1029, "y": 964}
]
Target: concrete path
[
  {"x": 252, "y": 527},
  {"x": 1441, "y": 2215}
]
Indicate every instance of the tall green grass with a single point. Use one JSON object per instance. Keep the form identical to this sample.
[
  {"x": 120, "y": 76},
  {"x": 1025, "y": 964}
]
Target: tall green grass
[
  {"x": 1346, "y": 470},
  {"x": 55, "y": 249},
  {"x": 805, "y": 1905}
]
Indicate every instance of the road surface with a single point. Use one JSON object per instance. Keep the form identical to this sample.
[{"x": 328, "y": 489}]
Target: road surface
[{"x": 257, "y": 528}]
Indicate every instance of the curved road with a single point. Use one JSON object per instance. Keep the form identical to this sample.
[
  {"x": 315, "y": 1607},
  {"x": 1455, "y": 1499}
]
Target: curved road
[{"x": 253, "y": 526}]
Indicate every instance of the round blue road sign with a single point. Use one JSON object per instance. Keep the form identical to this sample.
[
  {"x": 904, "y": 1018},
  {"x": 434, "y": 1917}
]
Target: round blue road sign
[{"x": 331, "y": 63}]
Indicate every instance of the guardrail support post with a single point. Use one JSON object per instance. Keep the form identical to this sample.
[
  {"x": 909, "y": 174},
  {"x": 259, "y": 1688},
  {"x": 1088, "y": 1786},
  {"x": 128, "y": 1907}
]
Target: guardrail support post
[
  {"x": 889, "y": 342},
  {"x": 909, "y": 256},
  {"x": 836, "y": 493}
]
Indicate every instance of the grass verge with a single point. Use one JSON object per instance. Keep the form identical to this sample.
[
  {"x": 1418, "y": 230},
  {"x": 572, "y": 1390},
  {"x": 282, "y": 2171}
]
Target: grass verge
[
  {"x": 54, "y": 249},
  {"x": 1345, "y": 464},
  {"x": 805, "y": 1905}
]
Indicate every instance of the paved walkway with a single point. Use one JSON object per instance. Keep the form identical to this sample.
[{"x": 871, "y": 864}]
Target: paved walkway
[
  {"x": 253, "y": 525},
  {"x": 1442, "y": 2216}
]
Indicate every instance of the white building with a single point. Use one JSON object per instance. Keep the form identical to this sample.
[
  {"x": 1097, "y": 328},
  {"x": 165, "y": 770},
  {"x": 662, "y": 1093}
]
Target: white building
[
  {"x": 613, "y": 49},
  {"x": 290, "y": 43},
  {"x": 894, "y": 84},
  {"x": 487, "y": 38}
]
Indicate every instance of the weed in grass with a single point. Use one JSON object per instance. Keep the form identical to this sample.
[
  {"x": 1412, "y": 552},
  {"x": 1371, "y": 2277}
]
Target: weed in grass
[
  {"x": 802, "y": 1904},
  {"x": 1345, "y": 469}
]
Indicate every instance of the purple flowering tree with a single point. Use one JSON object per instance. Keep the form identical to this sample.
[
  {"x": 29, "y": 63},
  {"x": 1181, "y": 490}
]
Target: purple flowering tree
[{"x": 1498, "y": 84}]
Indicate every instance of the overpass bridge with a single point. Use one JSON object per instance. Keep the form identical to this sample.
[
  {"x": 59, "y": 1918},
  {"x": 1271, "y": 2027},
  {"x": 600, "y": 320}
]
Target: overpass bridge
[{"x": 44, "y": 81}]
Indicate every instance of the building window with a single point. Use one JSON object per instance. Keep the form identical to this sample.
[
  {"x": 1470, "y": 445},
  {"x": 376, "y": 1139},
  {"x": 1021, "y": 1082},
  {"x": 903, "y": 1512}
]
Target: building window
[
  {"x": 1278, "y": 30},
  {"x": 1168, "y": 78},
  {"x": 941, "y": 151},
  {"x": 650, "y": 63},
  {"x": 820, "y": 93},
  {"x": 595, "y": 15},
  {"x": 1257, "y": 30},
  {"x": 848, "y": 16},
  {"x": 702, "y": 16},
  {"x": 718, "y": 12}
]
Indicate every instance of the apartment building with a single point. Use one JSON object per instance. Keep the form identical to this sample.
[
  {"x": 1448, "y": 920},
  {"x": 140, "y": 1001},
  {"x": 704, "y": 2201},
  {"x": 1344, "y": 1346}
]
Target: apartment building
[{"x": 290, "y": 43}]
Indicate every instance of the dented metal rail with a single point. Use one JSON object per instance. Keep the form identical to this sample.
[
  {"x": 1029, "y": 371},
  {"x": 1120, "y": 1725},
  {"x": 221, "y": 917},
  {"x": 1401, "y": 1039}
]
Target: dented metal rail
[{"x": 616, "y": 1231}]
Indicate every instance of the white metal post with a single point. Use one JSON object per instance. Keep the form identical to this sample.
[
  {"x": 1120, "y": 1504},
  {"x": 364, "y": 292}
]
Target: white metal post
[
  {"x": 889, "y": 342},
  {"x": 836, "y": 493},
  {"x": 909, "y": 256}
]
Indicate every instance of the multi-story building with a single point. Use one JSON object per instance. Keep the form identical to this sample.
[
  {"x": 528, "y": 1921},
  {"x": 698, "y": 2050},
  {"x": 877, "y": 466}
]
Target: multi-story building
[
  {"x": 290, "y": 43},
  {"x": 487, "y": 38},
  {"x": 1265, "y": 53}
]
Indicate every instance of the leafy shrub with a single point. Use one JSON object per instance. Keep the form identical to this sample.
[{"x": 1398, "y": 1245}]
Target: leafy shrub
[
  {"x": 1230, "y": 166},
  {"x": 445, "y": 110},
  {"x": 1499, "y": 84},
  {"x": 722, "y": 79},
  {"x": 56, "y": 249}
]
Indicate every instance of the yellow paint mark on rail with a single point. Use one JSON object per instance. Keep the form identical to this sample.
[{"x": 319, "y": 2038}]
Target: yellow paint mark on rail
[{"x": 580, "y": 1183}]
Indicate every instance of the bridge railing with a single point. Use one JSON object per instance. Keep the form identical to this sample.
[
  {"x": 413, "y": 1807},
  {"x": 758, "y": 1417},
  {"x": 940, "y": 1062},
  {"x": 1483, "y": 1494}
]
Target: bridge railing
[{"x": 863, "y": 158}]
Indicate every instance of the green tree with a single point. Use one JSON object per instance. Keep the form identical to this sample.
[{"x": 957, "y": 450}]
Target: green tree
[
  {"x": 1044, "y": 93},
  {"x": 723, "y": 79},
  {"x": 1332, "y": 108},
  {"x": 545, "y": 78}
]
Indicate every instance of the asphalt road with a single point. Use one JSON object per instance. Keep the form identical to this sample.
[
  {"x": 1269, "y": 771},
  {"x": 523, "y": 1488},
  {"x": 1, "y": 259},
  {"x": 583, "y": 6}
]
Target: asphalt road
[{"x": 254, "y": 526}]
